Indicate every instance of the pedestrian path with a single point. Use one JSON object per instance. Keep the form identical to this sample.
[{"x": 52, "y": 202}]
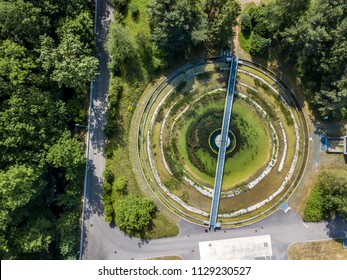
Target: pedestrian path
[{"x": 223, "y": 145}]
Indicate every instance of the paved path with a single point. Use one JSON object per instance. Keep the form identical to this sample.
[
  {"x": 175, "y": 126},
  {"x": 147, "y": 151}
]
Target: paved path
[
  {"x": 94, "y": 224},
  {"x": 224, "y": 143},
  {"x": 284, "y": 229}
]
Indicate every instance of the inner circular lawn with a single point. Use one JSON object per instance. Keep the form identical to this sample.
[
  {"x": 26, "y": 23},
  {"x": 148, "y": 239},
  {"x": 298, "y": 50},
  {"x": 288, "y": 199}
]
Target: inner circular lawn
[{"x": 244, "y": 163}]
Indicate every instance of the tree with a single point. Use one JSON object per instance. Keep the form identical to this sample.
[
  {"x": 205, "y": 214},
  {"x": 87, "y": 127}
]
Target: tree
[
  {"x": 19, "y": 185},
  {"x": 16, "y": 67},
  {"x": 246, "y": 23},
  {"x": 121, "y": 48},
  {"x": 30, "y": 121},
  {"x": 80, "y": 26},
  {"x": 222, "y": 17},
  {"x": 120, "y": 185},
  {"x": 171, "y": 23},
  {"x": 22, "y": 22},
  {"x": 134, "y": 214},
  {"x": 334, "y": 187},
  {"x": 317, "y": 43},
  {"x": 67, "y": 154},
  {"x": 120, "y": 4},
  {"x": 68, "y": 226},
  {"x": 259, "y": 44},
  {"x": 70, "y": 64},
  {"x": 329, "y": 196}
]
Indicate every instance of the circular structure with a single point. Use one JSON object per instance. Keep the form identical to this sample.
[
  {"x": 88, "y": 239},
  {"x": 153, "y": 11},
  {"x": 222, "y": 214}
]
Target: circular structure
[
  {"x": 216, "y": 138},
  {"x": 179, "y": 138}
]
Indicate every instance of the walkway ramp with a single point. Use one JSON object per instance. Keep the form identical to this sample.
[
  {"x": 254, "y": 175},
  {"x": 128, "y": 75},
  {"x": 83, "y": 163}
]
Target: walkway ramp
[{"x": 224, "y": 143}]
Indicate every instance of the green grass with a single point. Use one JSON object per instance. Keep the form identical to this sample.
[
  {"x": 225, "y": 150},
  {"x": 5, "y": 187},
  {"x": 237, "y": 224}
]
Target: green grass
[
  {"x": 244, "y": 163},
  {"x": 245, "y": 43},
  {"x": 141, "y": 23}
]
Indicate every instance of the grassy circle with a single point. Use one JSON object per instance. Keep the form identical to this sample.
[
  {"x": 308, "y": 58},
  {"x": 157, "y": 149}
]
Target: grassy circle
[{"x": 243, "y": 163}]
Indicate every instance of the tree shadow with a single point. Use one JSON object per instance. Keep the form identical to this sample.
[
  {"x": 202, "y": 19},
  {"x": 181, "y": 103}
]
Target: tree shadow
[{"x": 337, "y": 227}]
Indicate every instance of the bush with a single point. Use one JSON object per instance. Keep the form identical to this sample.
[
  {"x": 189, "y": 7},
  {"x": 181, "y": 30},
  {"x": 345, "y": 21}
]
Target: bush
[
  {"x": 314, "y": 208},
  {"x": 120, "y": 185},
  {"x": 135, "y": 12},
  {"x": 246, "y": 23},
  {"x": 120, "y": 4},
  {"x": 108, "y": 175}
]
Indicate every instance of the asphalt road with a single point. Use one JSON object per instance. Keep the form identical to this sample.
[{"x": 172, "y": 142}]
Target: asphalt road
[
  {"x": 94, "y": 223},
  {"x": 102, "y": 241}
]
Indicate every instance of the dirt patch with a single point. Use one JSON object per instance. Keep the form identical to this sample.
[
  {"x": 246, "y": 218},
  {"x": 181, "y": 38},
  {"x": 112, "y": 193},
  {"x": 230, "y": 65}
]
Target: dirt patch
[{"x": 318, "y": 250}]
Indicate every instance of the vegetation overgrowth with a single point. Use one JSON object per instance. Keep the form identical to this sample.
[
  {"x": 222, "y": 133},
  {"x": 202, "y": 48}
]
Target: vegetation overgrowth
[
  {"x": 309, "y": 35},
  {"x": 46, "y": 64},
  {"x": 328, "y": 197},
  {"x": 146, "y": 38}
]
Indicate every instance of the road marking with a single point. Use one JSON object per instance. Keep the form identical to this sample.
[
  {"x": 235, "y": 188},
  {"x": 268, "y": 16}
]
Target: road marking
[{"x": 305, "y": 225}]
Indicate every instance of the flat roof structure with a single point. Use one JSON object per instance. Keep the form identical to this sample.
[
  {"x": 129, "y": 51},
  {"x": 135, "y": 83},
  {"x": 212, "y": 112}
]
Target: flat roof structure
[
  {"x": 345, "y": 143},
  {"x": 245, "y": 248}
]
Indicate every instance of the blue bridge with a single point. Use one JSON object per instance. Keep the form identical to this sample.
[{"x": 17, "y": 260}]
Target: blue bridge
[{"x": 223, "y": 145}]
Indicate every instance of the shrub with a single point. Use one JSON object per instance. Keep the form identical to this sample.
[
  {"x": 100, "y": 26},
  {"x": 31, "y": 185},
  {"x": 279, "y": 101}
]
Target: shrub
[{"x": 108, "y": 175}]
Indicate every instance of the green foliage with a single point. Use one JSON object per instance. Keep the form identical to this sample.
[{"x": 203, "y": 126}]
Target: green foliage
[
  {"x": 66, "y": 153},
  {"x": 259, "y": 45},
  {"x": 120, "y": 185},
  {"x": 120, "y": 46},
  {"x": 30, "y": 121},
  {"x": 68, "y": 226},
  {"x": 22, "y": 22},
  {"x": 108, "y": 175},
  {"x": 179, "y": 25},
  {"x": 16, "y": 67},
  {"x": 246, "y": 23},
  {"x": 120, "y": 4},
  {"x": 134, "y": 214},
  {"x": 329, "y": 197},
  {"x": 43, "y": 82},
  {"x": 314, "y": 208},
  {"x": 311, "y": 37},
  {"x": 221, "y": 17},
  {"x": 135, "y": 12},
  {"x": 185, "y": 196},
  {"x": 81, "y": 27},
  {"x": 18, "y": 185},
  {"x": 70, "y": 64},
  {"x": 36, "y": 236}
]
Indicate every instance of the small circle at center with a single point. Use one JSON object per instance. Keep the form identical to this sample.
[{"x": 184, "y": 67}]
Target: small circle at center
[{"x": 218, "y": 140}]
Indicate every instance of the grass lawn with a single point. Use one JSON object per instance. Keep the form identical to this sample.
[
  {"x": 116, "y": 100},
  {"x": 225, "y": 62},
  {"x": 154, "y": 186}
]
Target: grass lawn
[
  {"x": 139, "y": 24},
  {"x": 241, "y": 166},
  {"x": 244, "y": 163},
  {"x": 317, "y": 250}
]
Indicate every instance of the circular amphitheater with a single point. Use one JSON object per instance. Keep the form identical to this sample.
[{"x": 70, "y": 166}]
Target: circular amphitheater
[{"x": 179, "y": 139}]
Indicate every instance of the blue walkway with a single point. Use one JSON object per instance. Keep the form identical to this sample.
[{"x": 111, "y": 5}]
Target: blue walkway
[{"x": 223, "y": 145}]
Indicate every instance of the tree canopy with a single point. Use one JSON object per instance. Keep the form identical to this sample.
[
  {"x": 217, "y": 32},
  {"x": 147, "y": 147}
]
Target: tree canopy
[
  {"x": 177, "y": 26},
  {"x": 329, "y": 197},
  {"x": 46, "y": 65},
  {"x": 311, "y": 35},
  {"x": 134, "y": 214}
]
